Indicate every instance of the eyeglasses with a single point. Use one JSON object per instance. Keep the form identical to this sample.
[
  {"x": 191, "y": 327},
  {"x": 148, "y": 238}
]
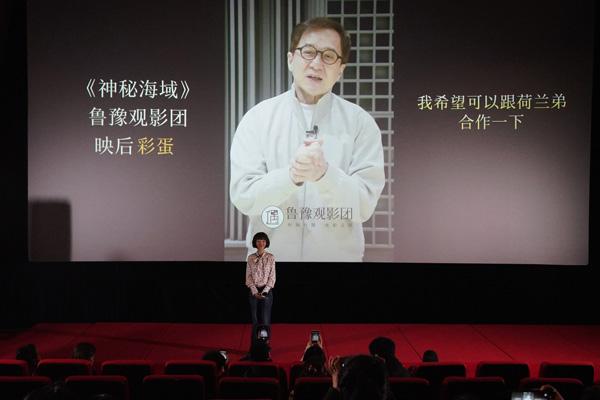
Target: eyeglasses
[{"x": 309, "y": 52}]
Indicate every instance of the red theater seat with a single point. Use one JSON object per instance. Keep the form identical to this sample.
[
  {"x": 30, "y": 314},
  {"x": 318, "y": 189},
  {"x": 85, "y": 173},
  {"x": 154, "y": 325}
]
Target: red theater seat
[
  {"x": 13, "y": 368},
  {"x": 206, "y": 369},
  {"x": 58, "y": 369},
  {"x": 511, "y": 372},
  {"x": 248, "y": 388},
  {"x": 283, "y": 381},
  {"x": 489, "y": 388},
  {"x": 252, "y": 369},
  {"x": 436, "y": 372},
  {"x": 583, "y": 371},
  {"x": 311, "y": 388},
  {"x": 180, "y": 387},
  {"x": 569, "y": 388},
  {"x": 134, "y": 370},
  {"x": 410, "y": 388},
  {"x": 88, "y": 386},
  {"x": 295, "y": 370},
  {"x": 17, "y": 387}
]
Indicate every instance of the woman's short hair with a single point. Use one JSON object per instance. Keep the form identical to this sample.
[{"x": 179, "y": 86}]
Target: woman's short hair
[{"x": 260, "y": 236}]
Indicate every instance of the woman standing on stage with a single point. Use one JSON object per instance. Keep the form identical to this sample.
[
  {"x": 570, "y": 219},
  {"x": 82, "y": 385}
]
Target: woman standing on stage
[{"x": 260, "y": 279}]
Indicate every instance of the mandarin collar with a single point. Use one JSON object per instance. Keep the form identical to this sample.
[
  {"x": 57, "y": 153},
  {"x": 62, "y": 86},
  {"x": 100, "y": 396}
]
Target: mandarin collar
[{"x": 322, "y": 107}]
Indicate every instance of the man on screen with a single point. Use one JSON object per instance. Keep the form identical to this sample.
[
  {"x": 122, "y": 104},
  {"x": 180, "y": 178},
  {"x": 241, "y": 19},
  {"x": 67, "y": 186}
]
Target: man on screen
[{"x": 307, "y": 165}]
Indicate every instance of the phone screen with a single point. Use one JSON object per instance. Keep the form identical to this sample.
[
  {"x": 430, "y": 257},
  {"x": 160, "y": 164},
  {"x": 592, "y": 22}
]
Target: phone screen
[
  {"x": 531, "y": 395},
  {"x": 315, "y": 336}
]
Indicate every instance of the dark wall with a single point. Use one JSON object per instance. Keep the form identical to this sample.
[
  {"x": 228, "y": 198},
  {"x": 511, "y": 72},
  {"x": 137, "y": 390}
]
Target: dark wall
[{"x": 214, "y": 292}]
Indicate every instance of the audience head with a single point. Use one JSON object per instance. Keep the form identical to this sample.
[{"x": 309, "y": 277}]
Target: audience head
[
  {"x": 29, "y": 354},
  {"x": 382, "y": 347},
  {"x": 84, "y": 351},
  {"x": 54, "y": 391},
  {"x": 260, "y": 351},
  {"x": 363, "y": 377},
  {"x": 218, "y": 358},
  {"x": 313, "y": 361},
  {"x": 313, "y": 351},
  {"x": 385, "y": 348},
  {"x": 430, "y": 356}
]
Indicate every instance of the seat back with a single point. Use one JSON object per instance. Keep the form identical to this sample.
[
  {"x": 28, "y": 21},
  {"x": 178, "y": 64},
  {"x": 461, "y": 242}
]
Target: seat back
[
  {"x": 311, "y": 388},
  {"x": 511, "y": 372},
  {"x": 253, "y": 369},
  {"x": 489, "y": 388},
  {"x": 248, "y": 388},
  {"x": 295, "y": 370},
  {"x": 206, "y": 369},
  {"x": 583, "y": 371},
  {"x": 181, "y": 387},
  {"x": 436, "y": 372},
  {"x": 134, "y": 370},
  {"x": 569, "y": 388},
  {"x": 86, "y": 386},
  {"x": 283, "y": 381},
  {"x": 410, "y": 388},
  {"x": 58, "y": 369},
  {"x": 13, "y": 368},
  {"x": 17, "y": 387}
]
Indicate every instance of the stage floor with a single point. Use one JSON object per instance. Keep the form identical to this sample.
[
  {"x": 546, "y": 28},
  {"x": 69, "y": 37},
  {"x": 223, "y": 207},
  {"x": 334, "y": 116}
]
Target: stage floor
[{"x": 453, "y": 342}]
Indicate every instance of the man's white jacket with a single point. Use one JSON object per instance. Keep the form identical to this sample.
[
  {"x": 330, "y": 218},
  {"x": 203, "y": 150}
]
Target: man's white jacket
[{"x": 318, "y": 221}]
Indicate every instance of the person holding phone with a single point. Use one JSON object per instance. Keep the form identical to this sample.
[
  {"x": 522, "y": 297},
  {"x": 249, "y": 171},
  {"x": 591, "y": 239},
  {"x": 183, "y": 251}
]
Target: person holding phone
[
  {"x": 358, "y": 377},
  {"x": 385, "y": 349},
  {"x": 314, "y": 358},
  {"x": 313, "y": 362},
  {"x": 260, "y": 279}
]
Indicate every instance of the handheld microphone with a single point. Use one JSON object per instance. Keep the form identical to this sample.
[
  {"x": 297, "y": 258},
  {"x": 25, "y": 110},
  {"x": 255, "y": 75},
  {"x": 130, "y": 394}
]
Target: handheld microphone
[{"x": 313, "y": 134}]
